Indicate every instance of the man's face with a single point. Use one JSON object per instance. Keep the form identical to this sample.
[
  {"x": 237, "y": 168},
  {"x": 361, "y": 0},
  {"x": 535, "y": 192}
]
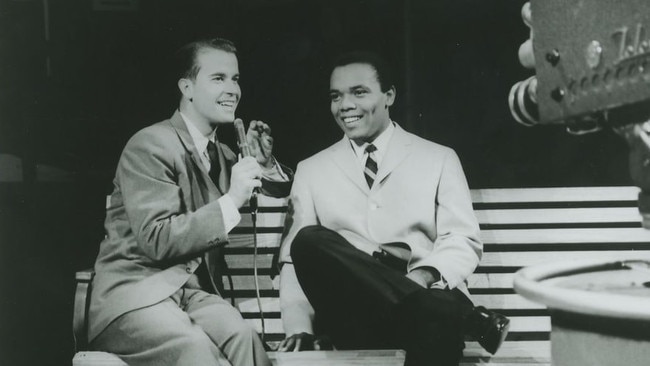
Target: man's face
[
  {"x": 358, "y": 105},
  {"x": 215, "y": 92}
]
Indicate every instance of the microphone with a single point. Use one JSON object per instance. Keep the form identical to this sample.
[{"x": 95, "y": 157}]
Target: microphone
[
  {"x": 242, "y": 142},
  {"x": 245, "y": 151}
]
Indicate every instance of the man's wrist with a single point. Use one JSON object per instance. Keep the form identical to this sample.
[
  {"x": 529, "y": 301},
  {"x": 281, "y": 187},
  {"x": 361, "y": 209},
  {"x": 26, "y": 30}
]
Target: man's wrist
[
  {"x": 430, "y": 275},
  {"x": 270, "y": 163},
  {"x": 229, "y": 212}
]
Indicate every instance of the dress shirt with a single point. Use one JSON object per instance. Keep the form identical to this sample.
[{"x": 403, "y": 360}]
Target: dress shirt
[{"x": 381, "y": 143}]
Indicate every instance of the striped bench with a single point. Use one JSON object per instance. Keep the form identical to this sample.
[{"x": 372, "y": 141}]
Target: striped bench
[{"x": 519, "y": 227}]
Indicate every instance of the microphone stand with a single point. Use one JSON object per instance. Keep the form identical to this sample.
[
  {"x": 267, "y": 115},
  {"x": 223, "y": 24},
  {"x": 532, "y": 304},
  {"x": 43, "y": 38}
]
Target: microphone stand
[{"x": 253, "y": 207}]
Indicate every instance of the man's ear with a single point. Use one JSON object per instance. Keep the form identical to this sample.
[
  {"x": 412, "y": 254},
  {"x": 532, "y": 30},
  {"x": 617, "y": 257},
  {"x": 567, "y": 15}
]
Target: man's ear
[
  {"x": 390, "y": 96},
  {"x": 186, "y": 87}
]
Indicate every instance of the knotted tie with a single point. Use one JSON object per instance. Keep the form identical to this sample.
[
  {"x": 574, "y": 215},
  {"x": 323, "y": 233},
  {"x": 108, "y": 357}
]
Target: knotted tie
[
  {"x": 215, "y": 168},
  {"x": 371, "y": 165}
]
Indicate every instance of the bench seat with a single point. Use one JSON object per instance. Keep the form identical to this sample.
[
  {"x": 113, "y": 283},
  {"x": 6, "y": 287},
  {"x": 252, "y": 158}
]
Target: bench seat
[
  {"x": 510, "y": 354},
  {"x": 520, "y": 227}
]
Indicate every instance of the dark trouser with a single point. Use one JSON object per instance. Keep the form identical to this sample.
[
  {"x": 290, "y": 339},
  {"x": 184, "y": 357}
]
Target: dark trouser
[{"x": 363, "y": 304}]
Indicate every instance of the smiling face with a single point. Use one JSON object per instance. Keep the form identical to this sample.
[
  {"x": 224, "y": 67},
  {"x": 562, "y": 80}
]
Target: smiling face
[
  {"x": 358, "y": 105},
  {"x": 211, "y": 98}
]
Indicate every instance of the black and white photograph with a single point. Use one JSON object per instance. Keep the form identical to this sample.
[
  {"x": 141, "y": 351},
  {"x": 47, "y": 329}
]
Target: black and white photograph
[{"x": 310, "y": 182}]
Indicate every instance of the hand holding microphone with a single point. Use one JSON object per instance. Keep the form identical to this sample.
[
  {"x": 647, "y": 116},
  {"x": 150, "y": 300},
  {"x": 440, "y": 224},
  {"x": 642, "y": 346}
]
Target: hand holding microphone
[{"x": 244, "y": 179}]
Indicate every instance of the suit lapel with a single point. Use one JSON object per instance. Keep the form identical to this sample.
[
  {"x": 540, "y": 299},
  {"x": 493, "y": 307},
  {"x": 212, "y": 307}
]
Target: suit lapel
[
  {"x": 344, "y": 157},
  {"x": 212, "y": 257},
  {"x": 399, "y": 147},
  {"x": 186, "y": 139}
]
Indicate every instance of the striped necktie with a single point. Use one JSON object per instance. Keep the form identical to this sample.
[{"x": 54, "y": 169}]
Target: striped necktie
[{"x": 370, "y": 170}]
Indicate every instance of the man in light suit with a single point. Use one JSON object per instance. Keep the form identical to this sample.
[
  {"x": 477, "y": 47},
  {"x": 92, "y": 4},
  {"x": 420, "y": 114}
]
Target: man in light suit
[
  {"x": 381, "y": 235},
  {"x": 176, "y": 196}
]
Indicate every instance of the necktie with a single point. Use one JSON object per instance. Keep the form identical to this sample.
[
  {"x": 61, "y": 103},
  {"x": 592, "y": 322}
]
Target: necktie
[
  {"x": 215, "y": 168},
  {"x": 370, "y": 170}
]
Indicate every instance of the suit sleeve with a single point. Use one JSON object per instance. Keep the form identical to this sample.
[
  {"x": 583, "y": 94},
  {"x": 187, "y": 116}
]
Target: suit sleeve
[
  {"x": 276, "y": 182},
  {"x": 458, "y": 247},
  {"x": 297, "y": 312},
  {"x": 279, "y": 184},
  {"x": 164, "y": 228}
]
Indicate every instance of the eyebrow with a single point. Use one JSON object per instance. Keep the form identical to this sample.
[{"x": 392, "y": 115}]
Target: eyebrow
[
  {"x": 222, "y": 74},
  {"x": 354, "y": 87}
]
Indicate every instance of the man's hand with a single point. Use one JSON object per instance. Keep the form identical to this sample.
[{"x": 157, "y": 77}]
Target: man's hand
[
  {"x": 424, "y": 276},
  {"x": 260, "y": 143},
  {"x": 305, "y": 342},
  {"x": 244, "y": 178}
]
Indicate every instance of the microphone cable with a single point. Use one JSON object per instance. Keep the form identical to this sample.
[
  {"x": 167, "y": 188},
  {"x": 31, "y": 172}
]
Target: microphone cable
[
  {"x": 253, "y": 206},
  {"x": 245, "y": 152}
]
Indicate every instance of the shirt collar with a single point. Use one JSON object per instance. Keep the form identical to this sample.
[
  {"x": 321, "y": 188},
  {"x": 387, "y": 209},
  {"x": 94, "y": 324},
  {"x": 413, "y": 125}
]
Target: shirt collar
[
  {"x": 199, "y": 139},
  {"x": 381, "y": 143}
]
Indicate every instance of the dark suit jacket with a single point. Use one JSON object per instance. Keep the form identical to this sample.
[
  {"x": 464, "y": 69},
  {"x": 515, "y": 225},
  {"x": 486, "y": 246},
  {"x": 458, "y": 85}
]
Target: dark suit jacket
[{"x": 163, "y": 221}]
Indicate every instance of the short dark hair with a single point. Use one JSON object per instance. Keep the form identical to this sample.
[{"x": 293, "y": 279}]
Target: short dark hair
[
  {"x": 382, "y": 69},
  {"x": 186, "y": 66}
]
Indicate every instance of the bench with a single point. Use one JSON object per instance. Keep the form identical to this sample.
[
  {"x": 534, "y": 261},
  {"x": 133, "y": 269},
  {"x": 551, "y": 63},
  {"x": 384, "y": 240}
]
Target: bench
[{"x": 519, "y": 227}]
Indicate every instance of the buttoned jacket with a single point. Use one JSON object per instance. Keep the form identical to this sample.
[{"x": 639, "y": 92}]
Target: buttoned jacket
[{"x": 420, "y": 198}]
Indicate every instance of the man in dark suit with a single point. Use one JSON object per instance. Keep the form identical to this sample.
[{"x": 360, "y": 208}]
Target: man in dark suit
[
  {"x": 176, "y": 196},
  {"x": 382, "y": 235}
]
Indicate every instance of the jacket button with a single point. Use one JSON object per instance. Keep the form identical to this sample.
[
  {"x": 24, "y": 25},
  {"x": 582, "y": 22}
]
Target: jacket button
[{"x": 188, "y": 269}]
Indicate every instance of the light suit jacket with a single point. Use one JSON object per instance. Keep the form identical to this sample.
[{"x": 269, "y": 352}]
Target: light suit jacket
[
  {"x": 420, "y": 197},
  {"x": 163, "y": 221}
]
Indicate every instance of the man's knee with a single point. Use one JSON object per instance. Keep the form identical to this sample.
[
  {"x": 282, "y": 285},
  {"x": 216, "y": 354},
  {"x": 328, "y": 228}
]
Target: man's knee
[
  {"x": 195, "y": 347},
  {"x": 194, "y": 340},
  {"x": 241, "y": 344},
  {"x": 306, "y": 241},
  {"x": 239, "y": 334}
]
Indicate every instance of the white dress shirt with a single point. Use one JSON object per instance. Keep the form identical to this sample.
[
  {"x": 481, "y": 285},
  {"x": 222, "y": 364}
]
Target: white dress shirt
[{"x": 381, "y": 143}]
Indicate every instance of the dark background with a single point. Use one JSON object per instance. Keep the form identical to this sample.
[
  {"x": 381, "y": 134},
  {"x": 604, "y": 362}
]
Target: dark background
[{"x": 108, "y": 76}]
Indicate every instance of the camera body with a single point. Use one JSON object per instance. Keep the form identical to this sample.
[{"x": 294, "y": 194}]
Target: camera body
[{"x": 592, "y": 62}]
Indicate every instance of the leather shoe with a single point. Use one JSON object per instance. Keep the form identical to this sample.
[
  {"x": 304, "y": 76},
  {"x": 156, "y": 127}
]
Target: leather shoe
[{"x": 490, "y": 328}]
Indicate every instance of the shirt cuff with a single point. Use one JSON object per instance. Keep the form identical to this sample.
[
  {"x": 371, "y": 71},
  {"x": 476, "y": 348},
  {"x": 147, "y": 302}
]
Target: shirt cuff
[
  {"x": 229, "y": 211},
  {"x": 440, "y": 284},
  {"x": 274, "y": 173}
]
